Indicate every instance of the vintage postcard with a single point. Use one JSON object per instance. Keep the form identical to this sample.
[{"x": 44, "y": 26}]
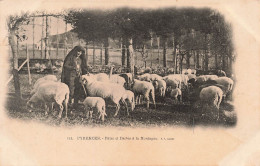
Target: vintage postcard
[{"x": 114, "y": 82}]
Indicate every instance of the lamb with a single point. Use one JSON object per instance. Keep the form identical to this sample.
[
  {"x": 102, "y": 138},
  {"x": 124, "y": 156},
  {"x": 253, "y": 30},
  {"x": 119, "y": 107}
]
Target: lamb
[
  {"x": 212, "y": 96},
  {"x": 175, "y": 93},
  {"x": 50, "y": 92},
  {"x": 183, "y": 79},
  {"x": 130, "y": 98},
  {"x": 173, "y": 83},
  {"x": 128, "y": 79},
  {"x": 41, "y": 80},
  {"x": 149, "y": 77},
  {"x": 145, "y": 89},
  {"x": 97, "y": 103},
  {"x": 227, "y": 83},
  {"x": 160, "y": 85},
  {"x": 106, "y": 90}
]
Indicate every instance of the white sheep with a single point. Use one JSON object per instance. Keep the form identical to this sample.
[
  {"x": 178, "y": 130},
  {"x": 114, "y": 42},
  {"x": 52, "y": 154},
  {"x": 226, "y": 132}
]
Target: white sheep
[
  {"x": 128, "y": 78},
  {"x": 95, "y": 102},
  {"x": 50, "y": 92},
  {"x": 103, "y": 77},
  {"x": 183, "y": 79},
  {"x": 41, "y": 80},
  {"x": 149, "y": 77},
  {"x": 129, "y": 97},
  {"x": 175, "y": 93},
  {"x": 186, "y": 71},
  {"x": 144, "y": 77},
  {"x": 106, "y": 90},
  {"x": 145, "y": 89},
  {"x": 227, "y": 83},
  {"x": 212, "y": 96},
  {"x": 155, "y": 77},
  {"x": 160, "y": 86},
  {"x": 115, "y": 78},
  {"x": 173, "y": 83},
  {"x": 190, "y": 76},
  {"x": 210, "y": 77}
]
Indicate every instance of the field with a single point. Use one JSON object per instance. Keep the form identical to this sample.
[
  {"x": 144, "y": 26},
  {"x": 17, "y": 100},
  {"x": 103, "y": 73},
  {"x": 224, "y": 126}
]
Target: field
[
  {"x": 167, "y": 114},
  {"x": 115, "y": 57}
]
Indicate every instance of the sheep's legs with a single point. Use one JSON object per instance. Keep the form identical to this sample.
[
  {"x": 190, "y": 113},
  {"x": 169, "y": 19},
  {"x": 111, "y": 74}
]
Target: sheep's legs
[
  {"x": 87, "y": 112},
  {"x": 117, "y": 109},
  {"x": 153, "y": 97},
  {"x": 91, "y": 113},
  {"x": 148, "y": 101},
  {"x": 125, "y": 103},
  {"x": 46, "y": 108},
  {"x": 61, "y": 110}
]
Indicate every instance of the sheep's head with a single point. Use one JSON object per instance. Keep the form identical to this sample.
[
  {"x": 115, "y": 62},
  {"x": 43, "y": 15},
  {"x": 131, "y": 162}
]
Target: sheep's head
[
  {"x": 155, "y": 84},
  {"x": 29, "y": 106},
  {"x": 87, "y": 79}
]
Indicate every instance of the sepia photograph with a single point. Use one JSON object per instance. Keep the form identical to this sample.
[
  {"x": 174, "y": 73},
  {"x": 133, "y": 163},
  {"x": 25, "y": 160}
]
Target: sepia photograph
[{"x": 84, "y": 77}]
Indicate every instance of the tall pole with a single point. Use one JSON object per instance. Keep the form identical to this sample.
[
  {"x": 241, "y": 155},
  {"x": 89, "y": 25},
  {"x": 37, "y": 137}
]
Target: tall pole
[
  {"x": 101, "y": 56},
  {"x": 57, "y": 39},
  {"x": 94, "y": 54},
  {"x": 46, "y": 38},
  {"x": 151, "y": 50},
  {"x": 65, "y": 41},
  {"x": 42, "y": 36},
  {"x": 33, "y": 38},
  {"x": 158, "y": 44},
  {"x": 28, "y": 65}
]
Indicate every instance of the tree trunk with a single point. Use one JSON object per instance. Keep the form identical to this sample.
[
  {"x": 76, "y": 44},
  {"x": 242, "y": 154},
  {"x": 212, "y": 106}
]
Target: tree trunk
[
  {"x": 174, "y": 53},
  {"x": 216, "y": 60},
  {"x": 101, "y": 54},
  {"x": 128, "y": 56},
  {"x": 188, "y": 60},
  {"x": 158, "y": 44},
  {"x": 223, "y": 62},
  {"x": 46, "y": 38},
  {"x": 194, "y": 59},
  {"x": 131, "y": 55},
  {"x": 198, "y": 59},
  {"x": 123, "y": 51},
  {"x": 106, "y": 44},
  {"x": 94, "y": 54},
  {"x": 86, "y": 53},
  {"x": 15, "y": 65},
  {"x": 206, "y": 54},
  {"x": 164, "y": 52},
  {"x": 230, "y": 64},
  {"x": 181, "y": 60}
]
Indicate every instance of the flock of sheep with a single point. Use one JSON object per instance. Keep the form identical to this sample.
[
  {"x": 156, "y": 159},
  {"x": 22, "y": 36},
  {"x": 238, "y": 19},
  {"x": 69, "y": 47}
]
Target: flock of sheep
[{"x": 125, "y": 89}]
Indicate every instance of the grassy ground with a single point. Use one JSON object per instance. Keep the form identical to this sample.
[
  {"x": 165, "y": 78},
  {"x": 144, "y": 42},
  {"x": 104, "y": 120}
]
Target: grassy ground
[{"x": 166, "y": 114}]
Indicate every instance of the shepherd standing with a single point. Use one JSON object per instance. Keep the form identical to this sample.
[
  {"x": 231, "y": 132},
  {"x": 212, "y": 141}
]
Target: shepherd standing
[{"x": 74, "y": 66}]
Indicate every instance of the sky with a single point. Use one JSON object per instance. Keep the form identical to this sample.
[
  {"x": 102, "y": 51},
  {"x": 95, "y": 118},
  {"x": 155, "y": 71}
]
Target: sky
[{"x": 55, "y": 25}]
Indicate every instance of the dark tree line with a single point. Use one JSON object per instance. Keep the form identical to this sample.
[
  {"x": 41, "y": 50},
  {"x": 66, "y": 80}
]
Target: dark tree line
[
  {"x": 194, "y": 32},
  {"x": 183, "y": 33}
]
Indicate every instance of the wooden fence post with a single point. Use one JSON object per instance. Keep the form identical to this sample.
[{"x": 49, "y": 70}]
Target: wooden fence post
[{"x": 28, "y": 65}]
